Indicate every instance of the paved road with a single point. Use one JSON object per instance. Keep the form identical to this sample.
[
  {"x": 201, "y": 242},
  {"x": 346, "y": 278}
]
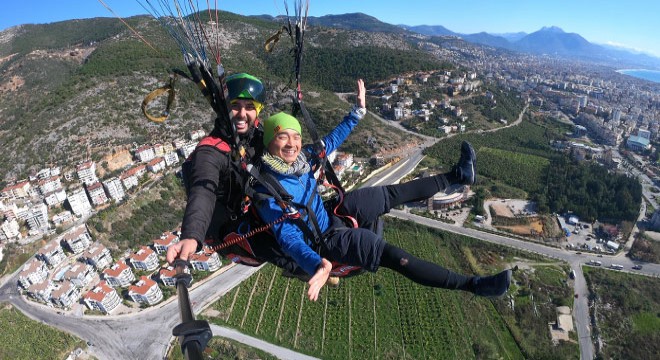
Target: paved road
[{"x": 144, "y": 335}]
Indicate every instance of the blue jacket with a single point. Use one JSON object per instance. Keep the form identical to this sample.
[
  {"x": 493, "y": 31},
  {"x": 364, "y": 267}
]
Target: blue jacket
[{"x": 288, "y": 234}]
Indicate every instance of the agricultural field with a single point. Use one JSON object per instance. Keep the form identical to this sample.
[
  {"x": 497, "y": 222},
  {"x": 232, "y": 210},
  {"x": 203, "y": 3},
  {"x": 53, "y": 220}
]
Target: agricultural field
[
  {"x": 384, "y": 315},
  {"x": 23, "y": 338},
  {"x": 626, "y": 309}
]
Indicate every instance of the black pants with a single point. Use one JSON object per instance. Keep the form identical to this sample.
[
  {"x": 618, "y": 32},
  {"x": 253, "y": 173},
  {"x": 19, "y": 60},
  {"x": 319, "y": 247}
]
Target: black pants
[{"x": 364, "y": 247}]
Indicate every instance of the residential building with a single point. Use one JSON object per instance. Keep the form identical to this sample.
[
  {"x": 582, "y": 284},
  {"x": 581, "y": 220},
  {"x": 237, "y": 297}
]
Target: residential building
[
  {"x": 114, "y": 188},
  {"x": 48, "y": 172},
  {"x": 80, "y": 274},
  {"x": 62, "y": 217},
  {"x": 79, "y": 202},
  {"x": 17, "y": 191},
  {"x": 48, "y": 185},
  {"x": 119, "y": 275},
  {"x": 51, "y": 253},
  {"x": 167, "y": 276},
  {"x": 97, "y": 194},
  {"x": 102, "y": 298},
  {"x": 144, "y": 259},
  {"x": 156, "y": 165},
  {"x": 205, "y": 260},
  {"x": 98, "y": 256},
  {"x": 145, "y": 153},
  {"x": 65, "y": 295},
  {"x": 171, "y": 158},
  {"x": 55, "y": 198},
  {"x": 41, "y": 291},
  {"x": 131, "y": 177},
  {"x": 34, "y": 271},
  {"x": 77, "y": 239},
  {"x": 145, "y": 292},
  {"x": 87, "y": 172},
  {"x": 186, "y": 149},
  {"x": 9, "y": 230},
  {"x": 165, "y": 241},
  {"x": 37, "y": 218},
  {"x": 159, "y": 150}
]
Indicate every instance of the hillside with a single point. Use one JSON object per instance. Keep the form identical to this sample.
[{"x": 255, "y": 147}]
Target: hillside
[{"x": 73, "y": 89}]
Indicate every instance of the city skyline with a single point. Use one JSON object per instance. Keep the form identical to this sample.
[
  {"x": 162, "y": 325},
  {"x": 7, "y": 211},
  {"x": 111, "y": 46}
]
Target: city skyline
[{"x": 629, "y": 25}]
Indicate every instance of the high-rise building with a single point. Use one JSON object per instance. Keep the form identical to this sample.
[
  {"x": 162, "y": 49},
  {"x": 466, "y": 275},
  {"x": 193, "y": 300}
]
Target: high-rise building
[{"x": 79, "y": 202}]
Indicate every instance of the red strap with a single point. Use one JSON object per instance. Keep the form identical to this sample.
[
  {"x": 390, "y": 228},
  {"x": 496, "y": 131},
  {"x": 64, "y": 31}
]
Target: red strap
[{"x": 215, "y": 142}]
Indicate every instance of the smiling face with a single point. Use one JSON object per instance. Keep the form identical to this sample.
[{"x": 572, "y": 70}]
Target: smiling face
[
  {"x": 286, "y": 145},
  {"x": 243, "y": 114}
]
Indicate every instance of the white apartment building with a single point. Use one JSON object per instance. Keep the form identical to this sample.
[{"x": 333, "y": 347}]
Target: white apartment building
[
  {"x": 48, "y": 185},
  {"x": 145, "y": 153},
  {"x": 41, "y": 291},
  {"x": 156, "y": 165},
  {"x": 77, "y": 239},
  {"x": 9, "y": 230},
  {"x": 186, "y": 149},
  {"x": 166, "y": 240},
  {"x": 62, "y": 217},
  {"x": 119, "y": 275},
  {"x": 98, "y": 256},
  {"x": 37, "y": 218},
  {"x": 17, "y": 191},
  {"x": 48, "y": 172},
  {"x": 205, "y": 260},
  {"x": 167, "y": 276},
  {"x": 145, "y": 291},
  {"x": 171, "y": 158},
  {"x": 102, "y": 298},
  {"x": 33, "y": 272},
  {"x": 144, "y": 259},
  {"x": 114, "y": 188},
  {"x": 97, "y": 194},
  {"x": 65, "y": 295},
  {"x": 79, "y": 202},
  {"x": 87, "y": 172},
  {"x": 55, "y": 198},
  {"x": 131, "y": 177},
  {"x": 51, "y": 253},
  {"x": 80, "y": 274}
]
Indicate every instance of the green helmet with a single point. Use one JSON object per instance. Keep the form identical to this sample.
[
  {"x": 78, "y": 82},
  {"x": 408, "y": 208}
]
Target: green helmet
[{"x": 245, "y": 86}]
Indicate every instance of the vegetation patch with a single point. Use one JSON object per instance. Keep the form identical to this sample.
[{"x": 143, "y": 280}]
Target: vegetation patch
[
  {"x": 625, "y": 307},
  {"x": 384, "y": 315},
  {"x": 23, "y": 338}
]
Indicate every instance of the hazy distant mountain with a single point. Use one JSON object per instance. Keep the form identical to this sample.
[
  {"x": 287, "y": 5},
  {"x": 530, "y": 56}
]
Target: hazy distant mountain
[
  {"x": 550, "y": 40},
  {"x": 488, "y": 39},
  {"x": 431, "y": 30},
  {"x": 512, "y": 37},
  {"x": 553, "y": 40}
]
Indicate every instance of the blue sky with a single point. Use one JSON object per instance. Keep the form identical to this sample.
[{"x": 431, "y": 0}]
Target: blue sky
[{"x": 633, "y": 24}]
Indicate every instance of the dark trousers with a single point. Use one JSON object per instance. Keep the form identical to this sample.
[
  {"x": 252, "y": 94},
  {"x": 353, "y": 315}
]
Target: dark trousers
[{"x": 364, "y": 247}]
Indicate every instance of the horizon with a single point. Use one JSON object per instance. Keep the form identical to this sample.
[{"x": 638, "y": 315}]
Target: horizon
[{"x": 612, "y": 23}]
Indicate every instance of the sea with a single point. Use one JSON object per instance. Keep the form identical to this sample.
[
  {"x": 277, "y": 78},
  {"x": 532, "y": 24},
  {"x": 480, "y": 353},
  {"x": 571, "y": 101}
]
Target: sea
[{"x": 650, "y": 75}]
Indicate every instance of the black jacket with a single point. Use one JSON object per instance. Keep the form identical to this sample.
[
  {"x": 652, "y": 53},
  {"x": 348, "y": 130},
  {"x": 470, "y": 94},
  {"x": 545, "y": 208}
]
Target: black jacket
[{"x": 215, "y": 189}]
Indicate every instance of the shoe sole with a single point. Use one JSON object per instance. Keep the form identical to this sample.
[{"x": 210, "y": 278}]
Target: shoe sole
[{"x": 473, "y": 156}]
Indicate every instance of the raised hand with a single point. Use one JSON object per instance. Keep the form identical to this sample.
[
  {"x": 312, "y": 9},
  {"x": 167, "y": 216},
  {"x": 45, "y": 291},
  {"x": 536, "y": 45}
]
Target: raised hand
[{"x": 361, "y": 94}]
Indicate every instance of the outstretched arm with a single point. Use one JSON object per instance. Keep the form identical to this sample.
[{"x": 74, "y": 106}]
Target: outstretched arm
[{"x": 333, "y": 140}]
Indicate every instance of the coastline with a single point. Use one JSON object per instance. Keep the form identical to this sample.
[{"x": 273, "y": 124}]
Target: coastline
[{"x": 644, "y": 74}]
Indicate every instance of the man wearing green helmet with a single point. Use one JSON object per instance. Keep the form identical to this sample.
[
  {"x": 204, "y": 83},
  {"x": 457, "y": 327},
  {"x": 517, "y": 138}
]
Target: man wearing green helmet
[{"x": 215, "y": 187}]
